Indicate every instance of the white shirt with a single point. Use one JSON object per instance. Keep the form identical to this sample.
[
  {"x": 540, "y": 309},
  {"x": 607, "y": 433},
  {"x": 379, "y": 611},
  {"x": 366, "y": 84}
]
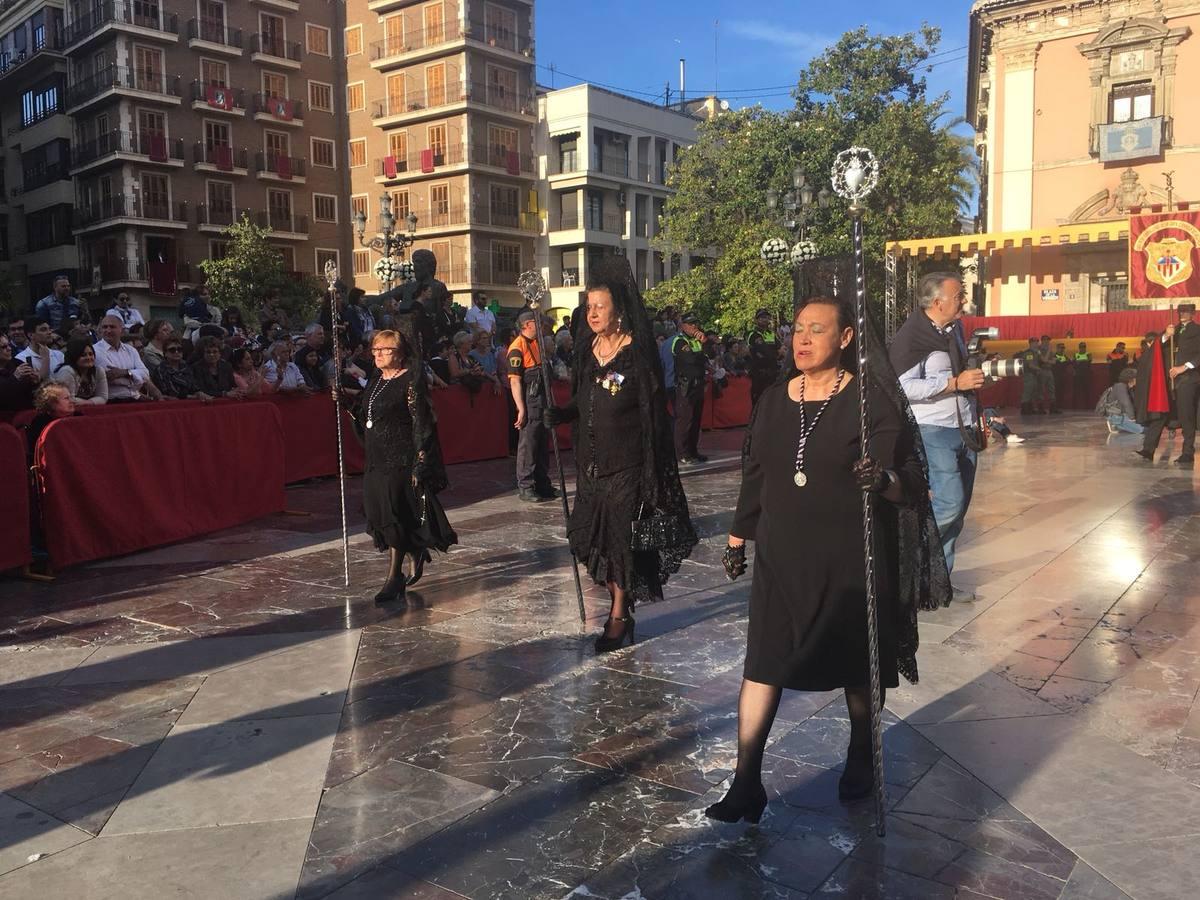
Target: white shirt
[
  {"x": 926, "y": 391},
  {"x": 27, "y": 355},
  {"x": 122, "y": 357},
  {"x": 291, "y": 379},
  {"x": 483, "y": 319},
  {"x": 129, "y": 316}
]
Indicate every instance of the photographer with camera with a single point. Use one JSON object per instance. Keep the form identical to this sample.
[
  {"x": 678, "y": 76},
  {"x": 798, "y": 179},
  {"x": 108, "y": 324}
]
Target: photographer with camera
[{"x": 930, "y": 355}]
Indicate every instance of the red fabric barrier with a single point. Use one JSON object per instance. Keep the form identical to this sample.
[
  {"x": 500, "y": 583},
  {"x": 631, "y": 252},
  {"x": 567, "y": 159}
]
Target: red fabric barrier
[
  {"x": 115, "y": 484},
  {"x": 471, "y": 428},
  {"x": 310, "y": 446},
  {"x": 732, "y": 408},
  {"x": 14, "y": 524},
  {"x": 1126, "y": 323}
]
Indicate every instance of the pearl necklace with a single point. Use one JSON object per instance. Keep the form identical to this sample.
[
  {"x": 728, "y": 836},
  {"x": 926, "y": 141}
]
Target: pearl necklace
[{"x": 380, "y": 387}]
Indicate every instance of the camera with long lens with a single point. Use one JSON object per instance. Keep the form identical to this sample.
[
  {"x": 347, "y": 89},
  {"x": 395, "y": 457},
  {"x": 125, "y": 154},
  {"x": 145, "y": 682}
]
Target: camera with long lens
[{"x": 992, "y": 368}]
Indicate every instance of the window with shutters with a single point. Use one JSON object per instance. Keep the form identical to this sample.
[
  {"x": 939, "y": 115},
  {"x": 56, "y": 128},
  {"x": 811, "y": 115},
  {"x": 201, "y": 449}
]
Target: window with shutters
[
  {"x": 322, "y": 152},
  {"x": 279, "y": 209},
  {"x": 439, "y": 204},
  {"x": 275, "y": 85},
  {"x": 358, "y": 152},
  {"x": 362, "y": 262},
  {"x": 316, "y": 39},
  {"x": 400, "y": 207},
  {"x": 436, "y": 135},
  {"x": 355, "y": 97},
  {"x": 358, "y": 204},
  {"x": 325, "y": 207},
  {"x": 398, "y": 147},
  {"x": 214, "y": 72},
  {"x": 320, "y": 96},
  {"x": 395, "y": 93},
  {"x": 354, "y": 40},
  {"x": 156, "y": 196}
]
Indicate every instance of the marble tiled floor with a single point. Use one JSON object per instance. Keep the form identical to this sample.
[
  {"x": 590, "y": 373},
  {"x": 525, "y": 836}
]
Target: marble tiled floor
[{"x": 224, "y": 719}]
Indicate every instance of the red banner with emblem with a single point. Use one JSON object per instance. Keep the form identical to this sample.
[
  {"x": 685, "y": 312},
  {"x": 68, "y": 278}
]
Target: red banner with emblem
[{"x": 1164, "y": 258}]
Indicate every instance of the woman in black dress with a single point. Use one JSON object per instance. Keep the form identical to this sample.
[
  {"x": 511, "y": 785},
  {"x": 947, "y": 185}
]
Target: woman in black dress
[
  {"x": 404, "y": 470},
  {"x": 624, "y": 452},
  {"x": 801, "y": 503}
]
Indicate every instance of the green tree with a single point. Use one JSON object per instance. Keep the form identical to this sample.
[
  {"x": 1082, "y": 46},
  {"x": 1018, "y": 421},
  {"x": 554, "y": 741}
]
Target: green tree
[
  {"x": 865, "y": 90},
  {"x": 251, "y": 270}
]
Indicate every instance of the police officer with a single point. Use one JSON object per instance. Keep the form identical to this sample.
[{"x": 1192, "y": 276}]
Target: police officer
[
  {"x": 764, "y": 355},
  {"x": 687, "y": 350},
  {"x": 525, "y": 381},
  {"x": 1185, "y": 376},
  {"x": 1046, "y": 383},
  {"x": 1082, "y": 361},
  {"x": 1031, "y": 361}
]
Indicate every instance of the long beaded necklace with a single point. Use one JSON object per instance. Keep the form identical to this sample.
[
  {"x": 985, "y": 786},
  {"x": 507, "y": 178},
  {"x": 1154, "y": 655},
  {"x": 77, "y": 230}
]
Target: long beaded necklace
[
  {"x": 806, "y": 428},
  {"x": 380, "y": 387}
]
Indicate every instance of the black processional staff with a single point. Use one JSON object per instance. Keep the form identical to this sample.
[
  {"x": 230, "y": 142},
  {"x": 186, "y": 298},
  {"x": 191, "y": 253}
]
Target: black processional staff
[
  {"x": 855, "y": 174},
  {"x": 533, "y": 288},
  {"x": 331, "y": 277}
]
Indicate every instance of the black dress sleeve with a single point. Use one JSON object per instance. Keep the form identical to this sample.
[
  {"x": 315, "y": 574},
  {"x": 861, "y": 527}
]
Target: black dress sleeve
[
  {"x": 428, "y": 465},
  {"x": 892, "y": 446},
  {"x": 749, "y": 505}
]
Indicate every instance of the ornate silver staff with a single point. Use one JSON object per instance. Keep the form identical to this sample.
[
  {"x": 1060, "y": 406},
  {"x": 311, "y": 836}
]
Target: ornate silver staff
[
  {"x": 533, "y": 288},
  {"x": 331, "y": 277},
  {"x": 855, "y": 174}
]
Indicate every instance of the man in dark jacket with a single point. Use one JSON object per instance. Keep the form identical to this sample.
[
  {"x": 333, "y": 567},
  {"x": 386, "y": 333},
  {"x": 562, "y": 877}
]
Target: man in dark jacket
[
  {"x": 691, "y": 363},
  {"x": 1184, "y": 338}
]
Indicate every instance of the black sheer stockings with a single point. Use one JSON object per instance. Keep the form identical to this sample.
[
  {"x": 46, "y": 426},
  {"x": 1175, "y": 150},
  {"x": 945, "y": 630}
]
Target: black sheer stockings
[
  {"x": 757, "y": 705},
  {"x": 393, "y": 588},
  {"x": 858, "y": 775}
]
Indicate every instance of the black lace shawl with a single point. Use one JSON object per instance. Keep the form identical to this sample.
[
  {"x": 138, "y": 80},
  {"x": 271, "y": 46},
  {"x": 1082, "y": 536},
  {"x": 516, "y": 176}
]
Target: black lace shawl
[
  {"x": 424, "y": 448},
  {"x": 923, "y": 581},
  {"x": 661, "y": 487}
]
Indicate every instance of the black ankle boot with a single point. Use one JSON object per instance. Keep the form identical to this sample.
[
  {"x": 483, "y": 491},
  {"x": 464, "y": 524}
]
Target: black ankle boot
[
  {"x": 392, "y": 590},
  {"x": 738, "y": 807},
  {"x": 418, "y": 566}
]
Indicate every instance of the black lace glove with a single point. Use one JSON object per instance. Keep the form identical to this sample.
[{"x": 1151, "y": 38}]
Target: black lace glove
[
  {"x": 552, "y": 417},
  {"x": 870, "y": 475},
  {"x": 734, "y": 561}
]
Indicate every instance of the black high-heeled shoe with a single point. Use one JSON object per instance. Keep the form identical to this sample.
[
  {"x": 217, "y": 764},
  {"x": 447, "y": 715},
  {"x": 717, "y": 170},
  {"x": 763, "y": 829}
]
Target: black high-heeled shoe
[
  {"x": 858, "y": 779},
  {"x": 606, "y": 644},
  {"x": 392, "y": 590},
  {"x": 418, "y": 566},
  {"x": 739, "y": 809}
]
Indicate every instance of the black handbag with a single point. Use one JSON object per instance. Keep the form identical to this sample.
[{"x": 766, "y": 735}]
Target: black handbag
[{"x": 657, "y": 532}]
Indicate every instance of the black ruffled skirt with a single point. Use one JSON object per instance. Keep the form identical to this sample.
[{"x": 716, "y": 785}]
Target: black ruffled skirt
[
  {"x": 601, "y": 534},
  {"x": 393, "y": 512}
]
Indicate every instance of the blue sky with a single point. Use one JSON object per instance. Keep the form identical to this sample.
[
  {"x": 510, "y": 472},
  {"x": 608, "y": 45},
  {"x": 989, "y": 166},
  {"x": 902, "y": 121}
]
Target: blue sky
[{"x": 635, "y": 45}]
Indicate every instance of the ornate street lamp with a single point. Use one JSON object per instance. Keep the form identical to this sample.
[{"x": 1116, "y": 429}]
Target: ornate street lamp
[
  {"x": 389, "y": 242},
  {"x": 795, "y": 208}
]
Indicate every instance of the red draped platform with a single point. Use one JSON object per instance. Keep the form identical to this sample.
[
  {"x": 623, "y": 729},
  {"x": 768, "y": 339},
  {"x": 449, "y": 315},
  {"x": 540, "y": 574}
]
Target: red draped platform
[
  {"x": 1127, "y": 323},
  {"x": 14, "y": 524}
]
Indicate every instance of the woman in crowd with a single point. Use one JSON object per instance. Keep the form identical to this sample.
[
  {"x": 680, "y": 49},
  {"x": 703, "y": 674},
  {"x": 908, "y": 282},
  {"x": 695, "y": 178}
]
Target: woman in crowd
[
  {"x": 440, "y": 361},
  {"x": 482, "y": 352},
  {"x": 158, "y": 332},
  {"x": 18, "y": 380},
  {"x": 281, "y": 373},
  {"x": 81, "y": 376},
  {"x": 624, "y": 453},
  {"x": 466, "y": 371},
  {"x": 214, "y": 376},
  {"x": 404, "y": 471},
  {"x": 231, "y": 321},
  {"x": 52, "y": 401},
  {"x": 801, "y": 503},
  {"x": 246, "y": 376},
  {"x": 311, "y": 369},
  {"x": 174, "y": 378}
]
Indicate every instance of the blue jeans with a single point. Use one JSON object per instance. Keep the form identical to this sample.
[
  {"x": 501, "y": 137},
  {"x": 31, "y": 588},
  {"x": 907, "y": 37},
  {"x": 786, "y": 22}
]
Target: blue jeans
[
  {"x": 1127, "y": 425},
  {"x": 951, "y": 480}
]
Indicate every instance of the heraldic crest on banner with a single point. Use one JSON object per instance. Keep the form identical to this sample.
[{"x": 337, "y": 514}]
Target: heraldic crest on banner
[{"x": 1164, "y": 257}]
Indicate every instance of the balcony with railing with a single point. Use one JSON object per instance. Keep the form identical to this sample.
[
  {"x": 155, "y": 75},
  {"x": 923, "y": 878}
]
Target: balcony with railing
[
  {"x": 652, "y": 173},
  {"x": 438, "y": 215},
  {"x": 156, "y": 148},
  {"x": 143, "y": 19},
  {"x": 114, "y": 210},
  {"x": 511, "y": 161},
  {"x": 609, "y": 223},
  {"x": 509, "y": 100},
  {"x": 1132, "y": 140},
  {"x": 417, "y": 101},
  {"x": 426, "y": 161},
  {"x": 42, "y": 174},
  {"x": 220, "y": 158},
  {"x": 212, "y": 34},
  {"x": 277, "y": 109},
  {"x": 211, "y": 217},
  {"x": 273, "y": 50},
  {"x": 500, "y": 38},
  {"x": 14, "y": 61},
  {"x": 505, "y": 217},
  {"x": 217, "y": 98},
  {"x": 392, "y": 50},
  {"x": 278, "y": 167},
  {"x": 123, "y": 270},
  {"x": 122, "y": 79},
  {"x": 282, "y": 222}
]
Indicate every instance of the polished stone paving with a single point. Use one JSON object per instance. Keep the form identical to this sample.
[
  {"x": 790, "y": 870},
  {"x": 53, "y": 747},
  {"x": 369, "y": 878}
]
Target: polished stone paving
[{"x": 223, "y": 718}]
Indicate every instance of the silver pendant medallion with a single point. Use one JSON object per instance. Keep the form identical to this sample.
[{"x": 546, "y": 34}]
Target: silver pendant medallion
[
  {"x": 801, "y": 479},
  {"x": 370, "y": 423}
]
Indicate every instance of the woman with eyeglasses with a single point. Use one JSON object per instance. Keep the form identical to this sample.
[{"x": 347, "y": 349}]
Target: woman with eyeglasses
[
  {"x": 174, "y": 377},
  {"x": 82, "y": 377},
  {"x": 404, "y": 471}
]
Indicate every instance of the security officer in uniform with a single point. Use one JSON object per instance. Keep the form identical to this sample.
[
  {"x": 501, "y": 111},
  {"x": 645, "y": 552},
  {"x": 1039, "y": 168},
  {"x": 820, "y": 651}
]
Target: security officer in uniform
[
  {"x": 1031, "y": 362},
  {"x": 1046, "y": 383},
  {"x": 1082, "y": 375},
  {"x": 764, "y": 355},
  {"x": 525, "y": 381},
  {"x": 687, "y": 349},
  {"x": 1185, "y": 376}
]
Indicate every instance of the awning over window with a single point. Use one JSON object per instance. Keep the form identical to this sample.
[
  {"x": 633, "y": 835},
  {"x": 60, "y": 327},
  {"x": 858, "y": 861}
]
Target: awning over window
[{"x": 986, "y": 244}]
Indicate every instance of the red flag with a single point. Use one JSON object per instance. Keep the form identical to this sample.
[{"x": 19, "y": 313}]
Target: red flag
[
  {"x": 427, "y": 160},
  {"x": 158, "y": 148},
  {"x": 222, "y": 155},
  {"x": 1164, "y": 257},
  {"x": 514, "y": 162},
  {"x": 219, "y": 96},
  {"x": 162, "y": 279},
  {"x": 283, "y": 167},
  {"x": 281, "y": 108},
  {"x": 1157, "y": 398},
  {"x": 389, "y": 166}
]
